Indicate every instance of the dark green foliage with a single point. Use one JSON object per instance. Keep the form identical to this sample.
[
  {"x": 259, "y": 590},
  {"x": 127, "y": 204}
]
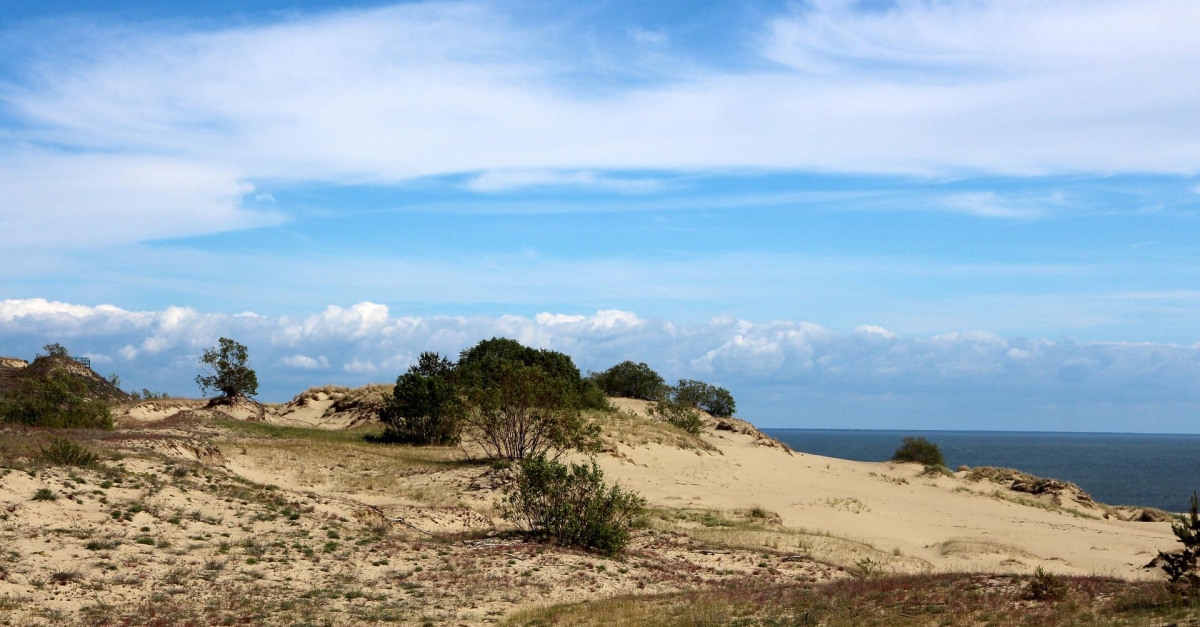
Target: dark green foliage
[
  {"x": 631, "y": 380},
  {"x": 58, "y": 400},
  {"x": 56, "y": 350},
  {"x": 480, "y": 361},
  {"x": 44, "y": 494},
  {"x": 64, "y": 452},
  {"x": 424, "y": 407},
  {"x": 147, "y": 395},
  {"x": 1046, "y": 586},
  {"x": 227, "y": 372},
  {"x": 714, "y": 400},
  {"x": 683, "y": 416},
  {"x": 919, "y": 450},
  {"x": 571, "y": 505},
  {"x": 1183, "y": 566},
  {"x": 514, "y": 410}
]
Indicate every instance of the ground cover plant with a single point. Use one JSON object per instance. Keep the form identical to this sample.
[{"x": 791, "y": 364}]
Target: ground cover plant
[
  {"x": 946, "y": 600},
  {"x": 571, "y": 505}
]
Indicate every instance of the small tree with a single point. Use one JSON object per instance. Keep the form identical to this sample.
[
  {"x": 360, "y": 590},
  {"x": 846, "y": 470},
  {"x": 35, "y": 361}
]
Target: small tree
[
  {"x": 571, "y": 506},
  {"x": 424, "y": 407},
  {"x": 514, "y": 411},
  {"x": 919, "y": 450},
  {"x": 1183, "y": 566},
  {"x": 56, "y": 350},
  {"x": 225, "y": 370},
  {"x": 631, "y": 380}
]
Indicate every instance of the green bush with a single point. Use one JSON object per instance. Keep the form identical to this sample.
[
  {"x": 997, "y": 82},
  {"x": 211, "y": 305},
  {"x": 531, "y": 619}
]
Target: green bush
[
  {"x": 683, "y": 416},
  {"x": 631, "y": 380},
  {"x": 481, "y": 360},
  {"x": 1183, "y": 566},
  {"x": 714, "y": 400},
  {"x": 514, "y": 411},
  {"x": 226, "y": 370},
  {"x": 919, "y": 450},
  {"x": 57, "y": 400},
  {"x": 44, "y": 494},
  {"x": 1046, "y": 586},
  {"x": 424, "y": 407},
  {"x": 64, "y": 452},
  {"x": 571, "y": 506}
]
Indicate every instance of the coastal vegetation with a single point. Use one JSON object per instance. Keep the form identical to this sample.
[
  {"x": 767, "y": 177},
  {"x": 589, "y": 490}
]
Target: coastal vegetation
[
  {"x": 920, "y": 451},
  {"x": 185, "y": 515},
  {"x": 1183, "y": 566},
  {"x": 571, "y": 505},
  {"x": 226, "y": 370}
]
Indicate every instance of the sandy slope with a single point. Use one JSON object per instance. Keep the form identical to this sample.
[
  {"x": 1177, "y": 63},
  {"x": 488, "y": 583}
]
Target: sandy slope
[
  {"x": 210, "y": 512},
  {"x": 938, "y": 523}
]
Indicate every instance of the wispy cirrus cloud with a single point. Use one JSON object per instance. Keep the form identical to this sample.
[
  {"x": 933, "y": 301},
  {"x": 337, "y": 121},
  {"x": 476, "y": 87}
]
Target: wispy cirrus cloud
[
  {"x": 165, "y": 130},
  {"x": 783, "y": 372}
]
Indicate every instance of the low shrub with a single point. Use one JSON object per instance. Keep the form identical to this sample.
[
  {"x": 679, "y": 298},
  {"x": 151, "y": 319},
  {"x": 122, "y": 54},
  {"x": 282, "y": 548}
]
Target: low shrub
[
  {"x": 678, "y": 414},
  {"x": 920, "y": 451},
  {"x": 1045, "y": 586},
  {"x": 64, "y": 452},
  {"x": 571, "y": 505},
  {"x": 44, "y": 494}
]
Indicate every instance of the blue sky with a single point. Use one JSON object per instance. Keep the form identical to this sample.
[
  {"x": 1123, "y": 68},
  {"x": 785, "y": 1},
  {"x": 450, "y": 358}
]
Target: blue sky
[{"x": 951, "y": 180}]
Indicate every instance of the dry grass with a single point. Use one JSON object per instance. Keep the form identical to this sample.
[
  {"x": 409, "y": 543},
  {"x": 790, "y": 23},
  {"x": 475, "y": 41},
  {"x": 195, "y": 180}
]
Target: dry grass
[
  {"x": 630, "y": 429},
  {"x": 948, "y": 600},
  {"x": 756, "y": 529}
]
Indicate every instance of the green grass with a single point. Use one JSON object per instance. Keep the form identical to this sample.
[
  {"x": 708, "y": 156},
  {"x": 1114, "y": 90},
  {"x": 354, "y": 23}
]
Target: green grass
[{"x": 281, "y": 432}]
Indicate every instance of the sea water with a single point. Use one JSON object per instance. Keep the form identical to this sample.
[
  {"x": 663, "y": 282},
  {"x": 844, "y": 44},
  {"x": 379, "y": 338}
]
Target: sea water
[{"x": 1116, "y": 468}]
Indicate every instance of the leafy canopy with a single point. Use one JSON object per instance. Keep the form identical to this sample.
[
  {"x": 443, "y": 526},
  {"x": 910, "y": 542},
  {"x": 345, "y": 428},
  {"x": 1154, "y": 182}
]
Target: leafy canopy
[
  {"x": 631, "y": 380},
  {"x": 515, "y": 410},
  {"x": 424, "y": 407},
  {"x": 225, "y": 370}
]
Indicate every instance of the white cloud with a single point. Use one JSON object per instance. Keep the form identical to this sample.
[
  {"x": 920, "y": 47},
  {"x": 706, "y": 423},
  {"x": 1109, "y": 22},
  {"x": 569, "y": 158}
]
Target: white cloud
[
  {"x": 304, "y": 362},
  {"x": 509, "y": 180},
  {"x": 875, "y": 330},
  {"x": 782, "y": 372},
  {"x": 142, "y": 132}
]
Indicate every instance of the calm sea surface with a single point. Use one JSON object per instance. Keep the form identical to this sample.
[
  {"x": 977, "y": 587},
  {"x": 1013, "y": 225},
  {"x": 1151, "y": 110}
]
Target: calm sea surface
[{"x": 1116, "y": 468}]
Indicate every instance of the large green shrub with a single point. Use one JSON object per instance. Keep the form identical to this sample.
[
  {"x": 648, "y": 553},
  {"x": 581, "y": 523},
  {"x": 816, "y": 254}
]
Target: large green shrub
[
  {"x": 631, "y": 380},
  {"x": 480, "y": 362},
  {"x": 514, "y": 411},
  {"x": 1183, "y": 566},
  {"x": 424, "y": 407},
  {"x": 226, "y": 370},
  {"x": 58, "y": 400},
  {"x": 571, "y": 505},
  {"x": 919, "y": 450},
  {"x": 712, "y": 399}
]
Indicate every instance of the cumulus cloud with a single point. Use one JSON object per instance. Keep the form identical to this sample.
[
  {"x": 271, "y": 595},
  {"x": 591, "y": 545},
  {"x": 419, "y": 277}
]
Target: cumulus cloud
[
  {"x": 784, "y": 373},
  {"x": 143, "y": 131}
]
